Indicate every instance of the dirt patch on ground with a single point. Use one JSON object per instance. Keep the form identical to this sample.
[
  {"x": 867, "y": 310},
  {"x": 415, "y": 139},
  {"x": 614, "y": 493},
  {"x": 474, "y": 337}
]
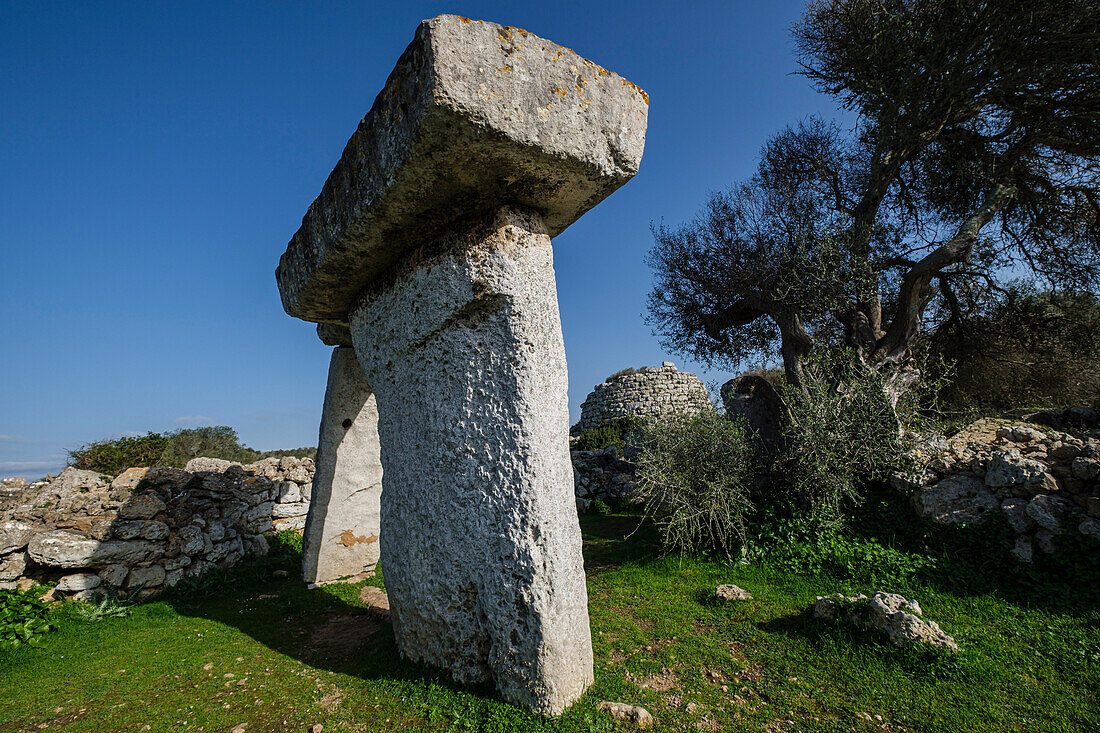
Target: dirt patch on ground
[
  {"x": 338, "y": 637},
  {"x": 663, "y": 681}
]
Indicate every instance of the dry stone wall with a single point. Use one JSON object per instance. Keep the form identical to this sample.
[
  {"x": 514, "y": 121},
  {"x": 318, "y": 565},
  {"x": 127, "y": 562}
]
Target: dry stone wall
[
  {"x": 1044, "y": 481},
  {"x": 650, "y": 392},
  {"x": 146, "y": 529}
]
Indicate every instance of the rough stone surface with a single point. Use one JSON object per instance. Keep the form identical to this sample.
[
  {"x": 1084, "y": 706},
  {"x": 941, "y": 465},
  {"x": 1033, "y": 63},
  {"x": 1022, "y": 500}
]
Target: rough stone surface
[
  {"x": 217, "y": 465},
  {"x": 754, "y": 400},
  {"x": 474, "y": 116},
  {"x": 342, "y": 529},
  {"x": 78, "y": 582},
  {"x": 955, "y": 499},
  {"x": 14, "y": 536},
  {"x": 649, "y": 393},
  {"x": 898, "y": 618},
  {"x": 129, "y": 479},
  {"x": 732, "y": 593},
  {"x": 481, "y": 548},
  {"x": 639, "y": 716},
  {"x": 63, "y": 549}
]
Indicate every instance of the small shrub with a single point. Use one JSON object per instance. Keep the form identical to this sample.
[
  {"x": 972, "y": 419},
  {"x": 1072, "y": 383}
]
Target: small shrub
[
  {"x": 23, "y": 618},
  {"x": 696, "y": 474},
  {"x": 621, "y": 373},
  {"x": 105, "y": 608},
  {"x": 840, "y": 432},
  {"x": 112, "y": 457},
  {"x": 616, "y": 433},
  {"x": 174, "y": 449}
]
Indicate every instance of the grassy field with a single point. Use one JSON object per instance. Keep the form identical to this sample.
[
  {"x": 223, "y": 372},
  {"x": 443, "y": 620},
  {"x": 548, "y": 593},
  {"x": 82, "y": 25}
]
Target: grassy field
[{"x": 269, "y": 654}]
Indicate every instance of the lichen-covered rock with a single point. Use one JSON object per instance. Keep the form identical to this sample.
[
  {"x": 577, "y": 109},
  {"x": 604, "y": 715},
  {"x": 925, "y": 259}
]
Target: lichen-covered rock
[
  {"x": 78, "y": 582},
  {"x": 481, "y": 511},
  {"x": 732, "y": 593},
  {"x": 142, "y": 506},
  {"x": 62, "y": 549},
  {"x": 210, "y": 465},
  {"x": 956, "y": 499},
  {"x": 898, "y": 618},
  {"x": 14, "y": 536},
  {"x": 129, "y": 479},
  {"x": 12, "y": 566},
  {"x": 639, "y": 716},
  {"x": 1048, "y": 512},
  {"x": 1010, "y": 468},
  {"x": 1015, "y": 510}
]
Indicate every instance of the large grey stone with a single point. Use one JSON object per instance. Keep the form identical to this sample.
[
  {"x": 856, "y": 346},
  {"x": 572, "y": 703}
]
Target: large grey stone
[
  {"x": 342, "y": 528},
  {"x": 474, "y": 116},
  {"x": 61, "y": 549},
  {"x": 957, "y": 498},
  {"x": 481, "y": 548},
  {"x": 14, "y": 536}
]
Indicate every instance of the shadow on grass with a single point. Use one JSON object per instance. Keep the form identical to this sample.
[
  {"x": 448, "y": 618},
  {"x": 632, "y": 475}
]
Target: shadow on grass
[{"x": 328, "y": 628}]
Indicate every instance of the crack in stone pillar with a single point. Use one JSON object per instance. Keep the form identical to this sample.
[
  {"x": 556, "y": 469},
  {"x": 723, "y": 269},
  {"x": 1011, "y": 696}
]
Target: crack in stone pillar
[
  {"x": 481, "y": 549},
  {"x": 342, "y": 528}
]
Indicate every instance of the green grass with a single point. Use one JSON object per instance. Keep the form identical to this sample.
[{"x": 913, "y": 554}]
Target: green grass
[{"x": 269, "y": 653}]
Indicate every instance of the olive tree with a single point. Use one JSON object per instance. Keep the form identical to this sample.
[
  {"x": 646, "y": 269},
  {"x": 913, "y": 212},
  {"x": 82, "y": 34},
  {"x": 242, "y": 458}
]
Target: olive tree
[{"x": 974, "y": 160}]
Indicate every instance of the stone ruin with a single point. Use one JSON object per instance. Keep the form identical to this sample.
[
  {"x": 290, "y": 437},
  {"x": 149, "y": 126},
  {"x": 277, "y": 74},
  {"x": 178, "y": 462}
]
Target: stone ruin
[
  {"x": 648, "y": 393},
  {"x": 427, "y": 259}
]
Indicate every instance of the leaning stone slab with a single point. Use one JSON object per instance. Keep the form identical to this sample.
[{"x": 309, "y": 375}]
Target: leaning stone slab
[
  {"x": 474, "y": 115},
  {"x": 342, "y": 528}
]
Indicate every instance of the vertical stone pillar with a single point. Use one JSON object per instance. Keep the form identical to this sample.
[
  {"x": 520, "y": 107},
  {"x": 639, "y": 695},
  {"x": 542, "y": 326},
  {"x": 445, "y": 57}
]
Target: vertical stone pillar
[
  {"x": 342, "y": 528},
  {"x": 481, "y": 550}
]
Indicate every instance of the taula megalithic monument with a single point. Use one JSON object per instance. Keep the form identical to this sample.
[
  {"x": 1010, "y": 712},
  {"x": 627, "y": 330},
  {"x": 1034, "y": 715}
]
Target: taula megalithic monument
[{"x": 444, "y": 439}]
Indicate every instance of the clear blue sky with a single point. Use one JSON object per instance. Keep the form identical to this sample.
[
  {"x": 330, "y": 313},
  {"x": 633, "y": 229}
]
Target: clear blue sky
[{"x": 156, "y": 159}]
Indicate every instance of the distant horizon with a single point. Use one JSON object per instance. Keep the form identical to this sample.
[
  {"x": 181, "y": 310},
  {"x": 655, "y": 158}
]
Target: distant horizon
[{"x": 166, "y": 155}]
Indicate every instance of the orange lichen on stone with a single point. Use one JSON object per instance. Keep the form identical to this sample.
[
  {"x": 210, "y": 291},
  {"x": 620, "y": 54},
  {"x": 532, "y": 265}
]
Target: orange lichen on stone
[
  {"x": 349, "y": 538},
  {"x": 637, "y": 88}
]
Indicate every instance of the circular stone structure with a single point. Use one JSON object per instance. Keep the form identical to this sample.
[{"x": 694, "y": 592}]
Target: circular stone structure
[{"x": 650, "y": 392}]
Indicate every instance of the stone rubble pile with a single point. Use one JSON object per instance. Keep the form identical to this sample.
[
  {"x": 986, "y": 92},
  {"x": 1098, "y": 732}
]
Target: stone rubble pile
[
  {"x": 899, "y": 618},
  {"x": 146, "y": 529},
  {"x": 1043, "y": 480},
  {"x": 649, "y": 393}
]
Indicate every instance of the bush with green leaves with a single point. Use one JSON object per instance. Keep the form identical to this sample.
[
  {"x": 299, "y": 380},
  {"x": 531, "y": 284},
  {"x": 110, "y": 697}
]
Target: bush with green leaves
[
  {"x": 617, "y": 432},
  {"x": 840, "y": 430},
  {"x": 696, "y": 474},
  {"x": 114, "y": 456},
  {"x": 172, "y": 449},
  {"x": 23, "y": 618}
]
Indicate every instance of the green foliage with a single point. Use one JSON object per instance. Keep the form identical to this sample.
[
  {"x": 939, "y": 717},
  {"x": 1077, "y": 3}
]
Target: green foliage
[
  {"x": 612, "y": 433},
  {"x": 1025, "y": 349},
  {"x": 23, "y": 618},
  {"x": 212, "y": 442},
  {"x": 172, "y": 449},
  {"x": 107, "y": 607},
  {"x": 696, "y": 474},
  {"x": 840, "y": 431},
  {"x": 114, "y": 456}
]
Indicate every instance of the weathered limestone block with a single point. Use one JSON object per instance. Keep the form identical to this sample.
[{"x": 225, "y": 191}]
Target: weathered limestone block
[
  {"x": 63, "y": 549},
  {"x": 473, "y": 116},
  {"x": 342, "y": 528},
  {"x": 481, "y": 549}
]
